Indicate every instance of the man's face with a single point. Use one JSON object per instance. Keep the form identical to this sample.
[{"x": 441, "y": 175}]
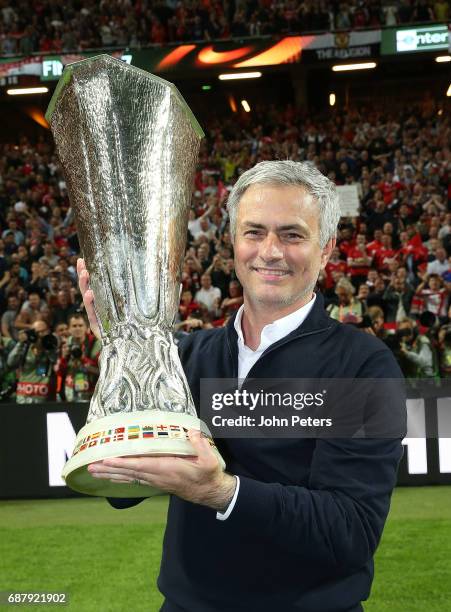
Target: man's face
[
  {"x": 398, "y": 284},
  {"x": 34, "y": 300},
  {"x": 53, "y": 283},
  {"x": 63, "y": 299},
  {"x": 205, "y": 281},
  {"x": 440, "y": 254},
  {"x": 344, "y": 297},
  {"x": 361, "y": 241},
  {"x": 187, "y": 297},
  {"x": 386, "y": 240},
  {"x": 434, "y": 283},
  {"x": 13, "y": 303},
  {"x": 364, "y": 291},
  {"x": 277, "y": 251},
  {"x": 62, "y": 330},
  {"x": 78, "y": 328}
]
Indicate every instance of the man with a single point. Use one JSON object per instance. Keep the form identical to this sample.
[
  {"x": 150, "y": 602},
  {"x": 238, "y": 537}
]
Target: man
[
  {"x": 416, "y": 355},
  {"x": 385, "y": 254},
  {"x": 358, "y": 261},
  {"x": 77, "y": 365},
  {"x": 64, "y": 307},
  {"x": 440, "y": 265},
  {"x": 397, "y": 298},
  {"x": 208, "y": 296},
  {"x": 8, "y": 329},
  {"x": 34, "y": 356},
  {"x": 293, "y": 523},
  {"x": 32, "y": 310},
  {"x": 49, "y": 257}
]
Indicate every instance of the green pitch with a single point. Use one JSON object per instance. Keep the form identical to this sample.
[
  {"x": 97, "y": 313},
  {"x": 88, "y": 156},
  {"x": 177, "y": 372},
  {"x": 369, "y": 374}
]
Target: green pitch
[{"x": 108, "y": 559}]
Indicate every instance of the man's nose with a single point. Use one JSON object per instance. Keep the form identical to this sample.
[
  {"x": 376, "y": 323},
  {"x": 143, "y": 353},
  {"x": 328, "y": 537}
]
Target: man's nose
[{"x": 270, "y": 249}]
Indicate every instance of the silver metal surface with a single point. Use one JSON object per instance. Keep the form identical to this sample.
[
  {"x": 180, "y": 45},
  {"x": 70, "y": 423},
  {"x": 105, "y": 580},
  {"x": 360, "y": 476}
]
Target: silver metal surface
[{"x": 128, "y": 145}]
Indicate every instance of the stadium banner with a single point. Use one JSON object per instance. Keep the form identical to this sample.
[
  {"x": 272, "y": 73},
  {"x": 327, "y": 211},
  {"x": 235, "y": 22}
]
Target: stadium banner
[
  {"x": 39, "y": 438},
  {"x": 415, "y": 39},
  {"x": 342, "y": 46},
  {"x": 191, "y": 59}
]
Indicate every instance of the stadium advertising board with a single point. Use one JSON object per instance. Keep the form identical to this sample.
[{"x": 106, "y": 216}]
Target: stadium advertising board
[
  {"x": 33, "y": 457},
  {"x": 415, "y": 39},
  {"x": 342, "y": 46},
  {"x": 190, "y": 59}
]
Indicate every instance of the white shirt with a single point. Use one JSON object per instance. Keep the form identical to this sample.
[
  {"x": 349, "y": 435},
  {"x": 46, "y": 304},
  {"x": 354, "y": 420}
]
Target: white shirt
[
  {"x": 208, "y": 296},
  {"x": 437, "y": 267},
  {"x": 271, "y": 333}
]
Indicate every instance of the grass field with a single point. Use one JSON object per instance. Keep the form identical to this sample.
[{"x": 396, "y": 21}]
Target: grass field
[{"x": 108, "y": 560}]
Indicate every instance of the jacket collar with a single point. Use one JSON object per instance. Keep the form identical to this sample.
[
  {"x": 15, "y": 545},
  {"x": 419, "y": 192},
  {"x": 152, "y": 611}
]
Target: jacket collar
[{"x": 316, "y": 320}]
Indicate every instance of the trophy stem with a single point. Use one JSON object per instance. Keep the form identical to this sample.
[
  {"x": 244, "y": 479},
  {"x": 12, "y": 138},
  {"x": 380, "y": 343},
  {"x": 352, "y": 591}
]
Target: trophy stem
[{"x": 140, "y": 370}]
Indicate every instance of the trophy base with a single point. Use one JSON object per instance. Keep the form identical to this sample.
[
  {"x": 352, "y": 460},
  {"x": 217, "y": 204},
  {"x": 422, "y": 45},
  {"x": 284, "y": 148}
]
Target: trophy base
[{"x": 147, "y": 432}]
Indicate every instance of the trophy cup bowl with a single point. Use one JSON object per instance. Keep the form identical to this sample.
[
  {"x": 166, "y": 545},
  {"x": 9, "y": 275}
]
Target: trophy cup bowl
[{"x": 128, "y": 145}]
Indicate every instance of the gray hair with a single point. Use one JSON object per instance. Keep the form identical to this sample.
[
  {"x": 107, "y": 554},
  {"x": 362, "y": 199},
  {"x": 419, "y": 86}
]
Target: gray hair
[
  {"x": 287, "y": 172},
  {"x": 345, "y": 283}
]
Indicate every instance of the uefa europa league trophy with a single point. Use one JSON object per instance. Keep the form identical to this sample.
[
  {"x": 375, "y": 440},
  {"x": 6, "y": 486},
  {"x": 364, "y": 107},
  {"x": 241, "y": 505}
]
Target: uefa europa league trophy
[{"x": 128, "y": 145}]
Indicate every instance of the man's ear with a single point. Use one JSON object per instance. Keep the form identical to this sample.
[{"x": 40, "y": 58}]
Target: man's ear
[{"x": 327, "y": 251}]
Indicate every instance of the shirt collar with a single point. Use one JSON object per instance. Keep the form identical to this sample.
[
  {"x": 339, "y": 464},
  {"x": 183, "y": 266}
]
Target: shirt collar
[{"x": 273, "y": 332}]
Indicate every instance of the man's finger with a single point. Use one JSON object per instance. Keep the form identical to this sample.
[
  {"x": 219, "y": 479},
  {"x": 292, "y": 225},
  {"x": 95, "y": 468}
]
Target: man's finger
[
  {"x": 148, "y": 465},
  {"x": 88, "y": 297},
  {"x": 201, "y": 446}
]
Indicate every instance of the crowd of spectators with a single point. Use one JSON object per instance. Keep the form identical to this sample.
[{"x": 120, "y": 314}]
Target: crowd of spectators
[
  {"x": 49, "y": 26},
  {"x": 389, "y": 274}
]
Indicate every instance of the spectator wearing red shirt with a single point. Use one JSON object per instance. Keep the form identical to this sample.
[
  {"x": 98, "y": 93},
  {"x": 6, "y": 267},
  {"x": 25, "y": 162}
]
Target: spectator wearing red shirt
[
  {"x": 373, "y": 246},
  {"x": 334, "y": 264},
  {"x": 358, "y": 261},
  {"x": 389, "y": 188},
  {"x": 385, "y": 253},
  {"x": 188, "y": 307},
  {"x": 346, "y": 241},
  {"x": 431, "y": 296}
]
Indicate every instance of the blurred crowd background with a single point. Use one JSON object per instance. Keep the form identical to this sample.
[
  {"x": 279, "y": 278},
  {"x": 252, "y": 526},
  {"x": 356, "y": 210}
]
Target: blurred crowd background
[
  {"x": 390, "y": 274},
  {"x": 27, "y": 26}
]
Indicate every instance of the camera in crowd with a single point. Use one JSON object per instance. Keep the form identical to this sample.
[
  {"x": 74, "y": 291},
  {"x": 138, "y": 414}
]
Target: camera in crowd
[
  {"x": 396, "y": 340},
  {"x": 76, "y": 352},
  {"x": 49, "y": 342}
]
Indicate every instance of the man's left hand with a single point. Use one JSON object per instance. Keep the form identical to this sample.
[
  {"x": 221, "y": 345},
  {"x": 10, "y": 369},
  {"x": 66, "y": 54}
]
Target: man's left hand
[{"x": 198, "y": 479}]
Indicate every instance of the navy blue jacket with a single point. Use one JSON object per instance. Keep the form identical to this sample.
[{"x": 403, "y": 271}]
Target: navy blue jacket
[{"x": 309, "y": 514}]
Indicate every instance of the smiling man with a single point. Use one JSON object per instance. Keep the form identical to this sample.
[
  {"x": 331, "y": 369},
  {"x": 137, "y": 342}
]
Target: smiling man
[{"x": 293, "y": 524}]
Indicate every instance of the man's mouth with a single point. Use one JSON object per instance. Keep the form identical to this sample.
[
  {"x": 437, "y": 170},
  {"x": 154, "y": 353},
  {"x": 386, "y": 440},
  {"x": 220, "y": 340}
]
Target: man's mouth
[{"x": 271, "y": 273}]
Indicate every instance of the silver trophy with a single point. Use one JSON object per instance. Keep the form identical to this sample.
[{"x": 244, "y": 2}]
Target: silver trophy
[{"x": 128, "y": 144}]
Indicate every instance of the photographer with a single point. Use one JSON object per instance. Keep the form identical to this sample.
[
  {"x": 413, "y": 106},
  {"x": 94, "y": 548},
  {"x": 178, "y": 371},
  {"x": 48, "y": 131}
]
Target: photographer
[
  {"x": 7, "y": 375},
  {"x": 34, "y": 357},
  {"x": 414, "y": 352},
  {"x": 77, "y": 365},
  {"x": 444, "y": 346}
]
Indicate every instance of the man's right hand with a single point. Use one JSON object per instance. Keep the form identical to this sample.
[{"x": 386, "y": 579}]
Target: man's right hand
[{"x": 88, "y": 297}]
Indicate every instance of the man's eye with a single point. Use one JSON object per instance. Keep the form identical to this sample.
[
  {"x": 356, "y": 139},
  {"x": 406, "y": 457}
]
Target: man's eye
[
  {"x": 253, "y": 233},
  {"x": 292, "y": 236}
]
